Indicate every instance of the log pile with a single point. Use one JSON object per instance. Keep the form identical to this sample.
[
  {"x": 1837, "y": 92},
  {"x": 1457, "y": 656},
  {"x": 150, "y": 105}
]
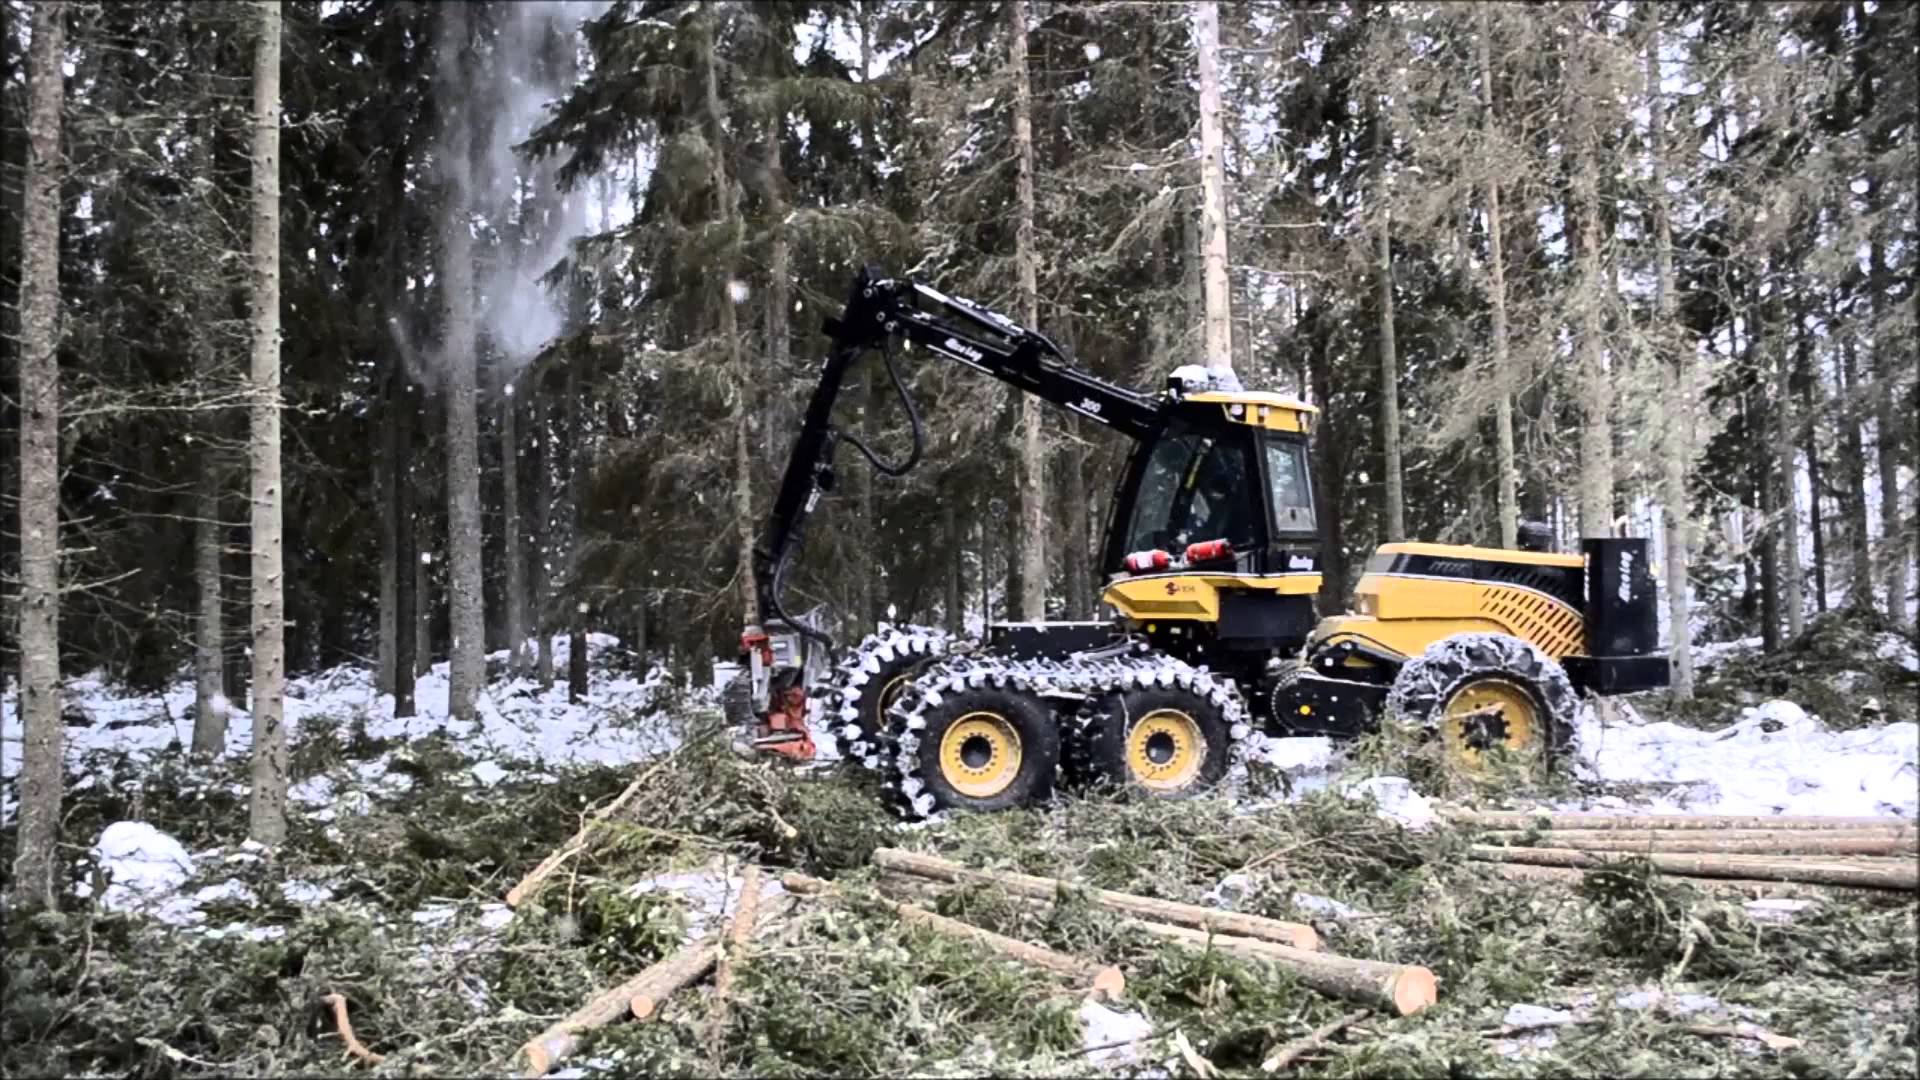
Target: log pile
[
  {"x": 1399, "y": 989},
  {"x": 1751, "y": 854}
]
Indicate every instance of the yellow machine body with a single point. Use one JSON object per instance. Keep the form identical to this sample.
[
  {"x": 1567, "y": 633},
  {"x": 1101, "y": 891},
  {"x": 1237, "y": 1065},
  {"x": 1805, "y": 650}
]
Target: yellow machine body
[
  {"x": 1196, "y": 597},
  {"x": 1413, "y": 595}
]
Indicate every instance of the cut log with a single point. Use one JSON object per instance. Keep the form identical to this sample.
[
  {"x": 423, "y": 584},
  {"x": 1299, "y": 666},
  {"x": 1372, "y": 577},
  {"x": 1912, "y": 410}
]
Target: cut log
[
  {"x": 1902, "y": 874},
  {"x": 577, "y": 844},
  {"x": 1099, "y": 978},
  {"x": 1787, "y": 842},
  {"x": 745, "y": 914},
  {"x": 354, "y": 1046},
  {"x": 1745, "y": 888},
  {"x": 1297, "y": 935},
  {"x": 1404, "y": 988},
  {"x": 691, "y": 962},
  {"x": 1526, "y": 819}
]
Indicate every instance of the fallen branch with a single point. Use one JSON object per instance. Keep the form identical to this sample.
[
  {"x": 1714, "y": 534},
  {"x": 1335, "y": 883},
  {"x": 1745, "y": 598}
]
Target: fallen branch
[
  {"x": 340, "y": 1021},
  {"x": 1755, "y": 842},
  {"x": 1297, "y": 935},
  {"x": 1743, "y": 1031},
  {"x": 1901, "y": 874},
  {"x": 578, "y": 843},
  {"x": 1526, "y": 819},
  {"x": 682, "y": 967},
  {"x": 1099, "y": 978},
  {"x": 1310, "y": 1042}
]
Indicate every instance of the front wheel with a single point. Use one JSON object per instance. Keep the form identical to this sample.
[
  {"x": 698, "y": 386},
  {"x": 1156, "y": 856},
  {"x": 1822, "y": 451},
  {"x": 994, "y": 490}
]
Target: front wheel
[{"x": 1487, "y": 695}]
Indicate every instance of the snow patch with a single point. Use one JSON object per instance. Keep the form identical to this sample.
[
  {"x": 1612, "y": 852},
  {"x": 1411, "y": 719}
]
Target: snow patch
[
  {"x": 1395, "y": 800},
  {"x": 1116, "y": 1035},
  {"x": 710, "y": 896},
  {"x": 145, "y": 869}
]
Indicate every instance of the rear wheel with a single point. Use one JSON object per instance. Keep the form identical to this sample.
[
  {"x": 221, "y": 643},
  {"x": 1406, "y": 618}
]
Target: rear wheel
[
  {"x": 1487, "y": 696},
  {"x": 988, "y": 748},
  {"x": 1164, "y": 743}
]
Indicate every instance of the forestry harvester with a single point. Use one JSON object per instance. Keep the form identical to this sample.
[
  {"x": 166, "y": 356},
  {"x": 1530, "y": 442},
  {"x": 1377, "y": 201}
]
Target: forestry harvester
[{"x": 1212, "y": 564}]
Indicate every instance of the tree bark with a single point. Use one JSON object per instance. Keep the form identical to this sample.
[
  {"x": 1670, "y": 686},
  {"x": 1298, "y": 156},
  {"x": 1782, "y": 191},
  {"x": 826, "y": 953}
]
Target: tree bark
[
  {"x": 1901, "y": 874},
  {"x": 1509, "y": 479},
  {"x": 576, "y": 491},
  {"x": 518, "y": 660},
  {"x": 406, "y": 636},
  {"x": 383, "y": 669},
  {"x": 1396, "y": 523},
  {"x": 1213, "y": 191},
  {"x": 466, "y": 612},
  {"x": 740, "y": 380},
  {"x": 1676, "y": 439},
  {"x": 1075, "y": 553},
  {"x": 42, "y": 771},
  {"x": 677, "y": 970},
  {"x": 210, "y": 706},
  {"x": 1887, "y": 420},
  {"x": 1596, "y": 384},
  {"x": 543, "y": 542},
  {"x": 267, "y": 806},
  {"x": 1033, "y": 451},
  {"x": 1786, "y": 470},
  {"x": 1853, "y": 473},
  {"x": 956, "y": 585}
]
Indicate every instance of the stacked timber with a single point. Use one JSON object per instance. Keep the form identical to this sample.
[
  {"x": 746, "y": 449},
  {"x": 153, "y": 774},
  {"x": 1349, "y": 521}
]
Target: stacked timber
[{"x": 1879, "y": 854}]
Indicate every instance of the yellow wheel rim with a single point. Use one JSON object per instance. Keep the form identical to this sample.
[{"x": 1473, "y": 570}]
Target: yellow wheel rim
[
  {"x": 1485, "y": 714},
  {"x": 980, "y": 755},
  {"x": 1165, "y": 750}
]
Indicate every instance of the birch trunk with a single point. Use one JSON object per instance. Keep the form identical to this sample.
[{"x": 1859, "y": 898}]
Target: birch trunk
[
  {"x": 42, "y": 771},
  {"x": 1033, "y": 453},
  {"x": 1389, "y": 351},
  {"x": 1676, "y": 440},
  {"x": 740, "y": 379},
  {"x": 1213, "y": 188},
  {"x": 267, "y": 806},
  {"x": 1509, "y": 504}
]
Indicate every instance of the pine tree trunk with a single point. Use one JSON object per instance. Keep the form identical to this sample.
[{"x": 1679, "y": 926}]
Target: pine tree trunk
[
  {"x": 42, "y": 770},
  {"x": 1887, "y": 422},
  {"x": 1786, "y": 470},
  {"x": 1330, "y": 480},
  {"x": 466, "y": 610},
  {"x": 267, "y": 807},
  {"x": 1075, "y": 553},
  {"x": 383, "y": 669},
  {"x": 210, "y": 708},
  {"x": 576, "y": 496},
  {"x": 518, "y": 661},
  {"x": 1396, "y": 525},
  {"x": 543, "y": 542},
  {"x": 956, "y": 548},
  {"x": 1033, "y": 451},
  {"x": 1596, "y": 385},
  {"x": 1213, "y": 190},
  {"x": 1677, "y": 431},
  {"x": 1509, "y": 479},
  {"x": 1853, "y": 468},
  {"x": 424, "y": 603},
  {"x": 406, "y": 636},
  {"x": 740, "y": 380}
]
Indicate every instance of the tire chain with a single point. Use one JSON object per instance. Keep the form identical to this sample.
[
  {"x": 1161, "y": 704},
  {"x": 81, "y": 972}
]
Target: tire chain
[
  {"x": 842, "y": 694},
  {"x": 1089, "y": 679}
]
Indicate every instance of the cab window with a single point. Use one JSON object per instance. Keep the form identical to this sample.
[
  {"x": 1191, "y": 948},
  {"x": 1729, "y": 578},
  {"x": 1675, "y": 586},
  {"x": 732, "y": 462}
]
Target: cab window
[
  {"x": 1196, "y": 487},
  {"x": 1292, "y": 492}
]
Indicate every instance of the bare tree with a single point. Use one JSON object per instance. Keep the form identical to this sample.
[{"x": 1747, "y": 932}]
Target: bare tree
[
  {"x": 1213, "y": 188},
  {"x": 42, "y": 773},
  {"x": 1033, "y": 453},
  {"x": 267, "y": 807}
]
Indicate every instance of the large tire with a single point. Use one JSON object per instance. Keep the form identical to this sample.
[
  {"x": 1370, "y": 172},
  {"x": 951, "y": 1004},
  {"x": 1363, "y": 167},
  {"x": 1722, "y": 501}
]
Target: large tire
[
  {"x": 1476, "y": 692},
  {"x": 980, "y": 748},
  {"x": 1163, "y": 742},
  {"x": 870, "y": 681}
]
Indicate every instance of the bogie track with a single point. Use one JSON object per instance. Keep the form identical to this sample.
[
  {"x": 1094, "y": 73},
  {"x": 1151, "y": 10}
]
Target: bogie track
[{"x": 1040, "y": 709}]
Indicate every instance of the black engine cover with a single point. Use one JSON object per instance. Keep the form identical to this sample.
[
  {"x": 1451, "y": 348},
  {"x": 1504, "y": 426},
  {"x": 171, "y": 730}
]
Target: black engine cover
[{"x": 1050, "y": 640}]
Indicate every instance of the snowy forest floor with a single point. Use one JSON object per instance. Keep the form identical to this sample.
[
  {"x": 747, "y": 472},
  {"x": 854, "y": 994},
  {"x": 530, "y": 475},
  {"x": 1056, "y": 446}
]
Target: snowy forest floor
[{"x": 183, "y": 949}]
